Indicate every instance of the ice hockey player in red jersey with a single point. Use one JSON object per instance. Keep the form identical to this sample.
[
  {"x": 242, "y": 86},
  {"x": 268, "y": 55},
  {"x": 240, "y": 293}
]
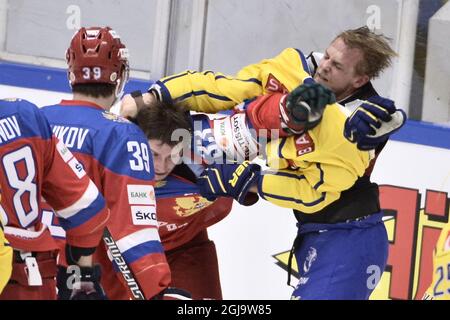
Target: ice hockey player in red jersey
[
  {"x": 183, "y": 214},
  {"x": 35, "y": 165},
  {"x": 115, "y": 154}
]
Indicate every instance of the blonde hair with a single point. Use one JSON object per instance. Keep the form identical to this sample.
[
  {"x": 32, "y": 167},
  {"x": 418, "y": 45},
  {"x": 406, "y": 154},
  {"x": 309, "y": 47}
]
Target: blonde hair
[{"x": 377, "y": 53}]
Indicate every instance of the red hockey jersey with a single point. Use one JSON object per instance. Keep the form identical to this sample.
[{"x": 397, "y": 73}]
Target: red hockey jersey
[
  {"x": 34, "y": 164},
  {"x": 115, "y": 154}
]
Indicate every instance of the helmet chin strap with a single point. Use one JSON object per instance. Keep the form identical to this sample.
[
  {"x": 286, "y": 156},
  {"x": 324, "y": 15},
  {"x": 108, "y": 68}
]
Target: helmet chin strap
[
  {"x": 120, "y": 86},
  {"x": 118, "y": 92}
]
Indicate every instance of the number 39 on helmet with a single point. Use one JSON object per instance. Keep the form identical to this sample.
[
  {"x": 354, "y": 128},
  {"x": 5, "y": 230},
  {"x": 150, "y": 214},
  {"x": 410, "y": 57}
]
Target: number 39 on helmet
[{"x": 96, "y": 55}]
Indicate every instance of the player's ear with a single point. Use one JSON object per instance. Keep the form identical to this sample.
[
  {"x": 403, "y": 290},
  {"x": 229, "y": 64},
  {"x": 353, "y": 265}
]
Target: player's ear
[{"x": 360, "y": 80}]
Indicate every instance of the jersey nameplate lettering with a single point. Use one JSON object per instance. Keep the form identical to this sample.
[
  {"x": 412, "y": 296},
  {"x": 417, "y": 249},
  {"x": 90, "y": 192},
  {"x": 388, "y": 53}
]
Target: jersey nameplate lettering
[
  {"x": 73, "y": 137},
  {"x": 9, "y": 129},
  {"x": 304, "y": 144}
]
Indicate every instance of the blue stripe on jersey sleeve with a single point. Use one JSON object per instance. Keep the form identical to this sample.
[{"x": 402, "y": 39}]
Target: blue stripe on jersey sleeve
[
  {"x": 142, "y": 250},
  {"x": 280, "y": 148},
  {"x": 321, "y": 181},
  {"x": 177, "y": 76},
  {"x": 165, "y": 94},
  {"x": 299, "y": 177},
  {"x": 303, "y": 61},
  {"x": 84, "y": 215},
  {"x": 254, "y": 80},
  {"x": 286, "y": 174},
  {"x": 298, "y": 201},
  {"x": 203, "y": 92}
]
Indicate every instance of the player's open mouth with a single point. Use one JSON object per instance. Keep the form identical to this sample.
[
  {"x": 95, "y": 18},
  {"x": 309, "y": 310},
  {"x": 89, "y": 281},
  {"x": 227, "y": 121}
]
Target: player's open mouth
[{"x": 321, "y": 77}]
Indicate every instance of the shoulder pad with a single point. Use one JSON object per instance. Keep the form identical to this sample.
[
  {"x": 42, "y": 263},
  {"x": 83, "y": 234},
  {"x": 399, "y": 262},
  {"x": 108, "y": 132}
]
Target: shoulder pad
[{"x": 313, "y": 61}]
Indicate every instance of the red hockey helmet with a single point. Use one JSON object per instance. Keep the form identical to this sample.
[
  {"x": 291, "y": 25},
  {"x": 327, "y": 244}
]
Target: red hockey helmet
[{"x": 96, "y": 55}]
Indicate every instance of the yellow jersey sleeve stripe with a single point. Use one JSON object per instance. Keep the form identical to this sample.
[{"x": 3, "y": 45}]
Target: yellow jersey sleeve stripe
[
  {"x": 219, "y": 180},
  {"x": 209, "y": 182}
]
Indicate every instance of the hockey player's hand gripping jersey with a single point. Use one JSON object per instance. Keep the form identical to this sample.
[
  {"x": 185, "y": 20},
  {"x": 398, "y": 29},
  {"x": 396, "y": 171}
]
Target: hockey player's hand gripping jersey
[{"x": 229, "y": 180}]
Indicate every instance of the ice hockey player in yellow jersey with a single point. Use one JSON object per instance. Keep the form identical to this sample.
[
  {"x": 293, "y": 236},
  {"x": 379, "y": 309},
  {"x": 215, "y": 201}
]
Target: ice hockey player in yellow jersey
[
  {"x": 311, "y": 172},
  {"x": 310, "y": 182}
]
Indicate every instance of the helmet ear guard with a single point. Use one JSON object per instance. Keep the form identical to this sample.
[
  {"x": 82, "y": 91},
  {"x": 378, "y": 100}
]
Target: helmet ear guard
[{"x": 97, "y": 55}]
